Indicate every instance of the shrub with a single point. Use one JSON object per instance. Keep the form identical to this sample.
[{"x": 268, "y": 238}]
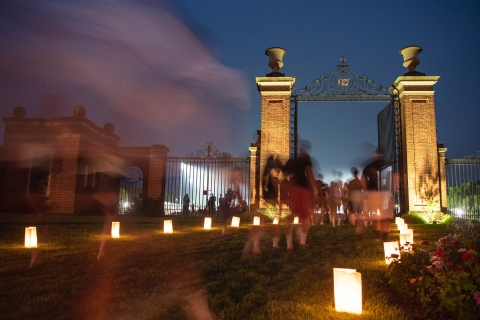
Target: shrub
[
  {"x": 445, "y": 278},
  {"x": 414, "y": 218}
]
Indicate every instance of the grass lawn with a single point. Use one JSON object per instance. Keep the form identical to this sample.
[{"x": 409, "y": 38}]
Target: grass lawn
[{"x": 190, "y": 274}]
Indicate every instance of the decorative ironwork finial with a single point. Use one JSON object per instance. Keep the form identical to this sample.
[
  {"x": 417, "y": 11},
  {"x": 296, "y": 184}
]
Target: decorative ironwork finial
[
  {"x": 208, "y": 151},
  {"x": 343, "y": 84},
  {"x": 343, "y": 63}
]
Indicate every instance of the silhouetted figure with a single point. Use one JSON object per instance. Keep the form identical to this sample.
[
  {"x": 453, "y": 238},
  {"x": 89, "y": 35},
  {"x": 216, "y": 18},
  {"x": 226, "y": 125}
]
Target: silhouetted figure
[
  {"x": 321, "y": 203},
  {"x": 355, "y": 199},
  {"x": 186, "y": 204},
  {"x": 211, "y": 205}
]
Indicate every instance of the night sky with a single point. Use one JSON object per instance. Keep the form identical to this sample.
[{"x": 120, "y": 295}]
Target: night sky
[{"x": 182, "y": 73}]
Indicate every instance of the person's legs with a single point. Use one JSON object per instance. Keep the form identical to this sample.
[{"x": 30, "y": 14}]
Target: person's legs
[
  {"x": 304, "y": 231},
  {"x": 276, "y": 234},
  {"x": 289, "y": 232}
]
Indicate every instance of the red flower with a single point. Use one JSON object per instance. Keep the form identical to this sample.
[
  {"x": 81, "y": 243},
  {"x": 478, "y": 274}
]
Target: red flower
[
  {"x": 472, "y": 246},
  {"x": 467, "y": 256},
  {"x": 425, "y": 243},
  {"x": 439, "y": 253}
]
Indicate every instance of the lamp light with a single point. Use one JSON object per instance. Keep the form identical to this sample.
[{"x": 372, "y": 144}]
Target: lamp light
[
  {"x": 30, "y": 237},
  {"x": 392, "y": 251},
  {"x": 347, "y": 284},
  {"x": 115, "y": 229},
  {"x": 207, "y": 224},
  {"x": 235, "y": 222},
  {"x": 167, "y": 226}
]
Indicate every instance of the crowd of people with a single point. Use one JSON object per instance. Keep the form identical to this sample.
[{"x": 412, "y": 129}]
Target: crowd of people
[{"x": 358, "y": 201}]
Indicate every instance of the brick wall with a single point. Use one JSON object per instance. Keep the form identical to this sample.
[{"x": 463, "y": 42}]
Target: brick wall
[{"x": 420, "y": 174}]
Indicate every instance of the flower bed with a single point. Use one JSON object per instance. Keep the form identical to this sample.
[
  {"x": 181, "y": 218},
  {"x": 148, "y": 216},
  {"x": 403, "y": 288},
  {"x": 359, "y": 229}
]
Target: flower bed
[{"x": 444, "y": 277}]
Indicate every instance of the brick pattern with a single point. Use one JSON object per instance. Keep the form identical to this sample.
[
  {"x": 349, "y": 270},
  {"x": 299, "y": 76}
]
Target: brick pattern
[
  {"x": 275, "y": 129},
  {"x": 443, "y": 178},
  {"x": 81, "y": 151},
  {"x": 157, "y": 170},
  {"x": 255, "y": 181},
  {"x": 420, "y": 158},
  {"x": 64, "y": 174}
]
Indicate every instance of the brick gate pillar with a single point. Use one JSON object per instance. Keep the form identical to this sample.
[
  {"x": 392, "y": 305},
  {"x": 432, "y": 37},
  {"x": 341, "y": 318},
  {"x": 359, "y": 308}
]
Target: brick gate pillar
[
  {"x": 64, "y": 174},
  {"x": 157, "y": 170},
  {"x": 420, "y": 167},
  {"x": 443, "y": 176},
  {"x": 275, "y": 89},
  {"x": 254, "y": 178}
]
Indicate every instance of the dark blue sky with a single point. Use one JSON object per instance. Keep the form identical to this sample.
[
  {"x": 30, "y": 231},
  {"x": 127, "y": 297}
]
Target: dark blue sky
[{"x": 182, "y": 73}]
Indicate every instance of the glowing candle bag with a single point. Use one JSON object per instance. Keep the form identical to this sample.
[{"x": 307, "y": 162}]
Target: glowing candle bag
[
  {"x": 347, "y": 286},
  {"x": 295, "y": 220},
  {"x": 275, "y": 220},
  {"x": 207, "y": 225},
  {"x": 405, "y": 237},
  {"x": 167, "y": 226},
  {"x": 30, "y": 237},
  {"x": 391, "y": 248},
  {"x": 256, "y": 221},
  {"x": 235, "y": 222},
  {"x": 115, "y": 229}
]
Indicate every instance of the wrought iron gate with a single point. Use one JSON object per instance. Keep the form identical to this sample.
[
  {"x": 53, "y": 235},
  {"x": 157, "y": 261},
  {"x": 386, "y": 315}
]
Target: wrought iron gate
[
  {"x": 131, "y": 188},
  {"x": 344, "y": 85},
  {"x": 463, "y": 187},
  {"x": 205, "y": 176}
]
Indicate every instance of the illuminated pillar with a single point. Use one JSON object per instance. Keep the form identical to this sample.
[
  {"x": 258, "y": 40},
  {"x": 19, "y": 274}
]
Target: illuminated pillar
[
  {"x": 443, "y": 176},
  {"x": 254, "y": 178},
  {"x": 275, "y": 89},
  {"x": 420, "y": 168}
]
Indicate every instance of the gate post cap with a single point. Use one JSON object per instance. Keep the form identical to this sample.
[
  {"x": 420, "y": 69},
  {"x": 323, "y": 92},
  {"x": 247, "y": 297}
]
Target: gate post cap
[{"x": 275, "y": 54}]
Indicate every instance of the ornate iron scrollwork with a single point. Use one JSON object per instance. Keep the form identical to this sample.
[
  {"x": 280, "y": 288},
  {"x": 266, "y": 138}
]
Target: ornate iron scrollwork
[
  {"x": 342, "y": 84},
  {"x": 208, "y": 151}
]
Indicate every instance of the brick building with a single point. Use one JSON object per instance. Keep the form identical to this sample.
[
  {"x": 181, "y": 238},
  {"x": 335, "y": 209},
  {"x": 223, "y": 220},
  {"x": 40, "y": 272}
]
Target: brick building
[{"x": 70, "y": 165}]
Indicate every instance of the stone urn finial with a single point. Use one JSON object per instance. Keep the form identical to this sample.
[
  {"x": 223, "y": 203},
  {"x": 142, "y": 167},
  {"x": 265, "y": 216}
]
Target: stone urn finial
[
  {"x": 275, "y": 54},
  {"x": 410, "y": 59}
]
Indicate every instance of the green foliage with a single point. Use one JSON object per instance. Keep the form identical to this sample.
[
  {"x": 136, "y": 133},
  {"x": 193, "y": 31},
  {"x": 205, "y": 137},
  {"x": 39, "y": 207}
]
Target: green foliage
[
  {"x": 465, "y": 196},
  {"x": 271, "y": 212},
  {"x": 413, "y": 218},
  {"x": 422, "y": 217},
  {"x": 445, "y": 278}
]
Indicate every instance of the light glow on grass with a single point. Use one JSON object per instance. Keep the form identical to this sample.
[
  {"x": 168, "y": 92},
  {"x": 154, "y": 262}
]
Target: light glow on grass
[
  {"x": 167, "y": 226},
  {"x": 235, "y": 222},
  {"x": 30, "y": 237},
  {"x": 115, "y": 229},
  {"x": 391, "y": 248},
  {"x": 347, "y": 285},
  {"x": 207, "y": 224}
]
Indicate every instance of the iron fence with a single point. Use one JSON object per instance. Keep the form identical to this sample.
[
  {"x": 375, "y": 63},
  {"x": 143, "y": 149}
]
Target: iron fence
[
  {"x": 463, "y": 188},
  {"x": 205, "y": 177}
]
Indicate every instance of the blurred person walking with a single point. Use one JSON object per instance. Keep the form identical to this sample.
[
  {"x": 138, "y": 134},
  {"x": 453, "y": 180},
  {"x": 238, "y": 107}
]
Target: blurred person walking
[
  {"x": 303, "y": 191},
  {"x": 379, "y": 203},
  {"x": 321, "y": 200},
  {"x": 355, "y": 199}
]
